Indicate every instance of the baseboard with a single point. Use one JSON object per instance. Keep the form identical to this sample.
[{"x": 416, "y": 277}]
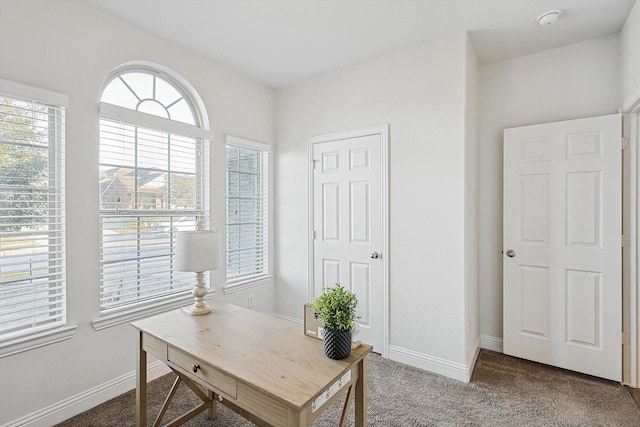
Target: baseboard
[
  {"x": 491, "y": 343},
  {"x": 88, "y": 399},
  {"x": 474, "y": 357},
  {"x": 437, "y": 365},
  {"x": 290, "y": 319}
]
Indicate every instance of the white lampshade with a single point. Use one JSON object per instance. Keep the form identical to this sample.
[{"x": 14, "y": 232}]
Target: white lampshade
[{"x": 197, "y": 251}]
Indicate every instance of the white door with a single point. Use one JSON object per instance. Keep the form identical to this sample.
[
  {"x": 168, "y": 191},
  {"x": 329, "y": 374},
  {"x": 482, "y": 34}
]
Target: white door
[
  {"x": 348, "y": 223},
  {"x": 562, "y": 244}
]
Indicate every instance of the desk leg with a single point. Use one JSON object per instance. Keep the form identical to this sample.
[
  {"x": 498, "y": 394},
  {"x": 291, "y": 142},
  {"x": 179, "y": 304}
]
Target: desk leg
[
  {"x": 141, "y": 385},
  {"x": 212, "y": 410},
  {"x": 361, "y": 394}
]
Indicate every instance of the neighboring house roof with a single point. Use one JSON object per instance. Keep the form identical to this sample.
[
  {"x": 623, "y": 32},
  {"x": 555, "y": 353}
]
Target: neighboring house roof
[{"x": 121, "y": 181}]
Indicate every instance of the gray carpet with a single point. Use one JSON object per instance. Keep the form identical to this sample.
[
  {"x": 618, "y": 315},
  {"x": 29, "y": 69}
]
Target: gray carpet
[{"x": 504, "y": 391}]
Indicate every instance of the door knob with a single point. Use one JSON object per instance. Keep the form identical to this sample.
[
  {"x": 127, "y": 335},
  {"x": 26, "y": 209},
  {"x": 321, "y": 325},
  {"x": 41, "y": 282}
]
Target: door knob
[
  {"x": 375, "y": 255},
  {"x": 511, "y": 253}
]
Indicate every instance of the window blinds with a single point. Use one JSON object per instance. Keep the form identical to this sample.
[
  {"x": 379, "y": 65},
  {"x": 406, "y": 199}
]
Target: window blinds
[
  {"x": 247, "y": 213},
  {"x": 151, "y": 186},
  {"x": 32, "y": 245}
]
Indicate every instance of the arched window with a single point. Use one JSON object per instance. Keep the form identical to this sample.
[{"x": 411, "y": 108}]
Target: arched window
[
  {"x": 153, "y": 182},
  {"x": 151, "y": 93}
]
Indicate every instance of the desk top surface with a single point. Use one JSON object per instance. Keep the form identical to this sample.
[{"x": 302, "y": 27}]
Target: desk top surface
[{"x": 269, "y": 353}]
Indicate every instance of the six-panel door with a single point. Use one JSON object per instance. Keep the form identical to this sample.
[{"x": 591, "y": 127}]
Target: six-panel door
[
  {"x": 562, "y": 244},
  {"x": 347, "y": 203}
]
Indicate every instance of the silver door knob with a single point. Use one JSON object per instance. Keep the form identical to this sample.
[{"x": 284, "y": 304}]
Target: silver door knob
[
  {"x": 375, "y": 255},
  {"x": 511, "y": 253}
]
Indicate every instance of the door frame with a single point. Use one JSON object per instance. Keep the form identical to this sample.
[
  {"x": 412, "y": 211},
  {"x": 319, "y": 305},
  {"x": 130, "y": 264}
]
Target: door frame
[
  {"x": 631, "y": 224},
  {"x": 383, "y": 132}
]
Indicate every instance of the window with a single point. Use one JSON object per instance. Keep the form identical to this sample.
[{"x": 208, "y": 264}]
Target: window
[
  {"x": 153, "y": 183},
  {"x": 247, "y": 209},
  {"x": 32, "y": 245}
]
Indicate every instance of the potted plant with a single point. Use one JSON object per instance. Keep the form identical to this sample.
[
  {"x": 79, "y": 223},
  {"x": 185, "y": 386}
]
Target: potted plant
[{"x": 336, "y": 307}]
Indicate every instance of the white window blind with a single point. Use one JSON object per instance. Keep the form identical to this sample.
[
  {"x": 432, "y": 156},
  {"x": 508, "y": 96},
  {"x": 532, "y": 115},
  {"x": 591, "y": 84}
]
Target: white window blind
[
  {"x": 32, "y": 245},
  {"x": 152, "y": 184},
  {"x": 247, "y": 210}
]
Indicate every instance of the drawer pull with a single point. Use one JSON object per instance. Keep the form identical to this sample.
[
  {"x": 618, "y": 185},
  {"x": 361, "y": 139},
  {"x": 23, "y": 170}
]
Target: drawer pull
[{"x": 201, "y": 371}]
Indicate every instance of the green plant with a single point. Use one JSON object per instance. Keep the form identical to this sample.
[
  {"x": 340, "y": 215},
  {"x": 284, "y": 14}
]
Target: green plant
[{"x": 337, "y": 308}]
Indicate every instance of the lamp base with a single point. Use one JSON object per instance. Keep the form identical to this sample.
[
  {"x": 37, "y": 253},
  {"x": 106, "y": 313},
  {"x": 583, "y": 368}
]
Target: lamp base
[
  {"x": 199, "y": 292},
  {"x": 196, "y": 311}
]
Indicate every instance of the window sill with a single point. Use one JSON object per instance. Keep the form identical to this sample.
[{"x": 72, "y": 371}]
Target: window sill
[
  {"x": 246, "y": 284},
  {"x": 40, "y": 339},
  {"x": 126, "y": 315}
]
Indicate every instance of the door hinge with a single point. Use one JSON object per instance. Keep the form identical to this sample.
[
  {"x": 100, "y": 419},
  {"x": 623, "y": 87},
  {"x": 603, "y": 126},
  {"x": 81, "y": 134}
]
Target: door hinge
[
  {"x": 624, "y": 336},
  {"x": 625, "y": 142},
  {"x": 313, "y": 163},
  {"x": 624, "y": 241},
  {"x": 315, "y": 234}
]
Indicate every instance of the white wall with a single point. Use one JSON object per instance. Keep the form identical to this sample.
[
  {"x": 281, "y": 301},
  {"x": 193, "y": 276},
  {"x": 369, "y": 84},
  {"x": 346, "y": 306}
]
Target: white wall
[
  {"x": 630, "y": 46},
  {"x": 69, "y": 47},
  {"x": 580, "y": 80},
  {"x": 421, "y": 93},
  {"x": 471, "y": 207}
]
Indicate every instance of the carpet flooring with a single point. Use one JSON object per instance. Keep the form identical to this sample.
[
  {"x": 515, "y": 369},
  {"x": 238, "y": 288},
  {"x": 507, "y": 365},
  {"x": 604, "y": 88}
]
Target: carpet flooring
[{"x": 504, "y": 391}]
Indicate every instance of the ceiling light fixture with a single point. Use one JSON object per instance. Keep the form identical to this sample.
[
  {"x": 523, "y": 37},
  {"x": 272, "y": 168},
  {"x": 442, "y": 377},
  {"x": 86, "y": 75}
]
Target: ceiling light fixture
[{"x": 549, "y": 17}]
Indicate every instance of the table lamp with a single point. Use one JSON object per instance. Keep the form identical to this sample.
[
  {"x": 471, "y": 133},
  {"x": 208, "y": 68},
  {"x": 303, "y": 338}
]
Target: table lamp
[{"x": 198, "y": 251}]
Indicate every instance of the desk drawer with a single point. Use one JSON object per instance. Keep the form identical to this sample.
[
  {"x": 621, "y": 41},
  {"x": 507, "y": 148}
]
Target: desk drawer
[{"x": 218, "y": 380}]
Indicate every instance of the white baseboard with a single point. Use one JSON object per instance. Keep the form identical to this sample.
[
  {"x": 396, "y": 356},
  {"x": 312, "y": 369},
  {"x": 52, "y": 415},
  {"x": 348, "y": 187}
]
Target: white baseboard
[
  {"x": 88, "y": 399},
  {"x": 474, "y": 358},
  {"x": 455, "y": 370},
  {"x": 290, "y": 319},
  {"x": 491, "y": 343}
]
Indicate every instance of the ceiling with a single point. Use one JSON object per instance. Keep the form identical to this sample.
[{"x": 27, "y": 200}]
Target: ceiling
[{"x": 283, "y": 42}]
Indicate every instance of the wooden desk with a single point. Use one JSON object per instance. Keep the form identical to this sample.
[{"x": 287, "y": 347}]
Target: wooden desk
[{"x": 262, "y": 367}]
